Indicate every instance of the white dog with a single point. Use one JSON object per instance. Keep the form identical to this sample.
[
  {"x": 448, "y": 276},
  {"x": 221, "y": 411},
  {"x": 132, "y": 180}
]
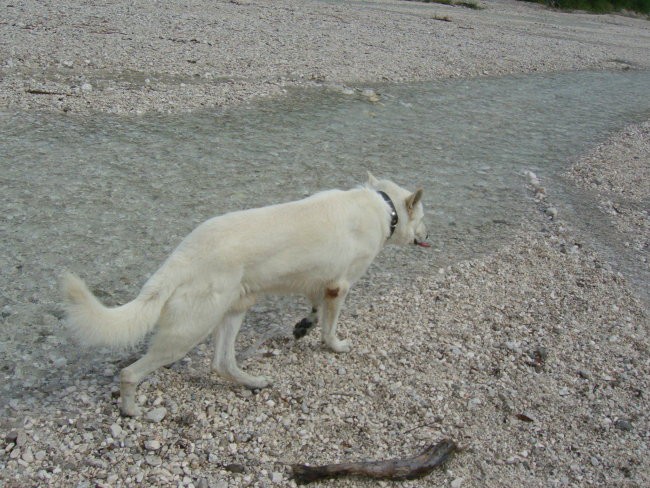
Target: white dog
[{"x": 317, "y": 247}]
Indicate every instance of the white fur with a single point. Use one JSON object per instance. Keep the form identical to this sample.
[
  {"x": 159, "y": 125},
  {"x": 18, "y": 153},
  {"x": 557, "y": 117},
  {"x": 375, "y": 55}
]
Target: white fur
[{"x": 317, "y": 247}]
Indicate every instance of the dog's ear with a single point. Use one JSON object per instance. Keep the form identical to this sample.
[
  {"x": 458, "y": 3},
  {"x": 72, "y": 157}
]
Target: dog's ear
[
  {"x": 412, "y": 200},
  {"x": 372, "y": 181}
]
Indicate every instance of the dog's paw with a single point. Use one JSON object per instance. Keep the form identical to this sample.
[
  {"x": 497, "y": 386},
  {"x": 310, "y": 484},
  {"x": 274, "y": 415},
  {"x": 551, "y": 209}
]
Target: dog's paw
[
  {"x": 130, "y": 410},
  {"x": 301, "y": 328},
  {"x": 258, "y": 382},
  {"x": 340, "y": 346}
]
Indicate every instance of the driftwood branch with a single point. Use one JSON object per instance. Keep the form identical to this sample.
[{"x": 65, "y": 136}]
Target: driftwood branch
[
  {"x": 39, "y": 91},
  {"x": 393, "y": 469}
]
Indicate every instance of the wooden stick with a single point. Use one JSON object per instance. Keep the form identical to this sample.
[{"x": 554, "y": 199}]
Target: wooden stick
[{"x": 392, "y": 469}]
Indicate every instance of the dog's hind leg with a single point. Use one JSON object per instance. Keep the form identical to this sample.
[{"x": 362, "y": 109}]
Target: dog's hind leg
[
  {"x": 333, "y": 301},
  {"x": 224, "y": 361},
  {"x": 181, "y": 327}
]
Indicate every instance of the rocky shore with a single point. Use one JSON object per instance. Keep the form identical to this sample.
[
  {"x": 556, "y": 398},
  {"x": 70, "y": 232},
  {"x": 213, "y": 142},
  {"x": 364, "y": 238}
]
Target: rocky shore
[
  {"x": 533, "y": 358},
  {"x": 119, "y": 57}
]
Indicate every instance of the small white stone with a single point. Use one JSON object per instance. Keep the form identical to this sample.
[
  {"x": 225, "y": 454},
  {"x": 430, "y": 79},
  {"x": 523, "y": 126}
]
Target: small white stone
[
  {"x": 59, "y": 362},
  {"x": 152, "y": 460},
  {"x": 457, "y": 483},
  {"x": 156, "y": 415},
  {"x": 116, "y": 431},
  {"x": 473, "y": 403},
  {"x": 27, "y": 456},
  {"x": 532, "y": 179},
  {"x": 152, "y": 445},
  {"x": 86, "y": 87},
  {"x": 551, "y": 212}
]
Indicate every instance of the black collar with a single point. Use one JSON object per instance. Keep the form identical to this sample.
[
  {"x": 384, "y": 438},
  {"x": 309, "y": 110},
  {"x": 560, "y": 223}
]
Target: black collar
[{"x": 393, "y": 212}]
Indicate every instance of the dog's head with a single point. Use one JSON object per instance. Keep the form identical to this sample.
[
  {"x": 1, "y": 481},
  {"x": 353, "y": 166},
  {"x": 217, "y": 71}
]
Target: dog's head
[{"x": 410, "y": 226}]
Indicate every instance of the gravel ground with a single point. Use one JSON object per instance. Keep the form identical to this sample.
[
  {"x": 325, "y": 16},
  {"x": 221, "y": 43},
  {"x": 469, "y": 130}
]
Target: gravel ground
[
  {"x": 533, "y": 358},
  {"x": 178, "y": 56},
  {"x": 622, "y": 188}
]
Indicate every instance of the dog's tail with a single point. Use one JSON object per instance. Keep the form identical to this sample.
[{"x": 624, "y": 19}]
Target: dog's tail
[{"x": 97, "y": 325}]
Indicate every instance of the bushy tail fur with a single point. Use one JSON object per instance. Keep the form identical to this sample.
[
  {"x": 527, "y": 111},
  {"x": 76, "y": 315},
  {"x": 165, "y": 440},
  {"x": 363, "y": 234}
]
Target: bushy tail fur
[{"x": 97, "y": 325}]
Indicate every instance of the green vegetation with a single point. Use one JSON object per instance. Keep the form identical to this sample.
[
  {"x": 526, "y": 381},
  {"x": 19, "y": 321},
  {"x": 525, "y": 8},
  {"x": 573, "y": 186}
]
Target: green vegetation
[
  {"x": 596, "y": 6},
  {"x": 599, "y": 6}
]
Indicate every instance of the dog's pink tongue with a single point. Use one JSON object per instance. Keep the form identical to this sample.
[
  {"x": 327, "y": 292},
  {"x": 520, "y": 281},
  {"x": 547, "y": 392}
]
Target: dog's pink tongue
[{"x": 423, "y": 244}]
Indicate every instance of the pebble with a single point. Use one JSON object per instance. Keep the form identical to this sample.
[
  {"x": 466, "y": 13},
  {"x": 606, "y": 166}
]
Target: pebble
[
  {"x": 514, "y": 346},
  {"x": 12, "y": 436},
  {"x": 153, "y": 460},
  {"x": 156, "y": 414},
  {"x": 59, "y": 362},
  {"x": 473, "y": 403},
  {"x": 116, "y": 431},
  {"x": 371, "y": 95},
  {"x": 457, "y": 483},
  {"x": 28, "y": 456},
  {"x": 551, "y": 212},
  {"x": 152, "y": 445},
  {"x": 624, "y": 425},
  {"x": 533, "y": 180}
]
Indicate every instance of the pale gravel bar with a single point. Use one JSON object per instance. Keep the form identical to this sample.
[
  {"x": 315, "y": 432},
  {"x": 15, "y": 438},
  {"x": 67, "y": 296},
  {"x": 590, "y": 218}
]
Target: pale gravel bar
[
  {"x": 534, "y": 358},
  {"x": 177, "y": 56}
]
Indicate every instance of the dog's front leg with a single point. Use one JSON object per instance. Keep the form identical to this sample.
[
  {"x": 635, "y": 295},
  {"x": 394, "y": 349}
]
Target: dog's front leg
[{"x": 333, "y": 301}]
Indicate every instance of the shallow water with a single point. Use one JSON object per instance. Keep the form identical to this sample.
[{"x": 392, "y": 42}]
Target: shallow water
[
  {"x": 154, "y": 177},
  {"x": 109, "y": 197}
]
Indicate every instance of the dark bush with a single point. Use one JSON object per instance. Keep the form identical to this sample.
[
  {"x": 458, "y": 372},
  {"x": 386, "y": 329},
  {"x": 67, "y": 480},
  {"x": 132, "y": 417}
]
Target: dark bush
[{"x": 600, "y": 6}]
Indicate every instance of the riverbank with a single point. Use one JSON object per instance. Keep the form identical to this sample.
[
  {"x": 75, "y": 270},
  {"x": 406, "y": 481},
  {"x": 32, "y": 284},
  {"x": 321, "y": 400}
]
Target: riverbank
[
  {"x": 122, "y": 58},
  {"x": 533, "y": 358}
]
